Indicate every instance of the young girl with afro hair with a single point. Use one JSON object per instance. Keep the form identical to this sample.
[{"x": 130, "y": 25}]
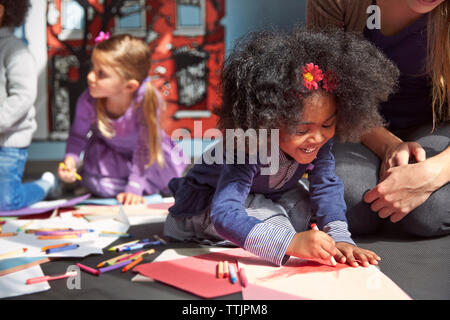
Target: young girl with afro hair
[{"x": 313, "y": 87}]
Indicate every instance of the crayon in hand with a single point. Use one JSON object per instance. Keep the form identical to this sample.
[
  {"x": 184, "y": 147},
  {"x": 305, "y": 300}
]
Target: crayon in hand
[{"x": 62, "y": 165}]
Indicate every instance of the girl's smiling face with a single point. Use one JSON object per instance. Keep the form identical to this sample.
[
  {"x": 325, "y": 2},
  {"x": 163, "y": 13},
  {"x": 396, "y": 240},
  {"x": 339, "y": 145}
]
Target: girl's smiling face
[{"x": 317, "y": 126}]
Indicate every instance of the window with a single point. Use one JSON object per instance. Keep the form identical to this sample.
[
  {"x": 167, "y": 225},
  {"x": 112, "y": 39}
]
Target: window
[
  {"x": 133, "y": 18},
  {"x": 190, "y": 17},
  {"x": 72, "y": 20}
]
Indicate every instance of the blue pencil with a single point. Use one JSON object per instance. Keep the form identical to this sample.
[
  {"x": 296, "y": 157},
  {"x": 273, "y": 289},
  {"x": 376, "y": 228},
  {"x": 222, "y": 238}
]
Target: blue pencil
[{"x": 65, "y": 248}]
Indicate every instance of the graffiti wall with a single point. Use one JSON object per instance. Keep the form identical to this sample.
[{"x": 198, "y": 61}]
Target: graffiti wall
[{"x": 186, "y": 38}]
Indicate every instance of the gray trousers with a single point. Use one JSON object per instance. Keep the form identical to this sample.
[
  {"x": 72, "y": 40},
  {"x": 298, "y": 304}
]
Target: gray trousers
[
  {"x": 358, "y": 168},
  {"x": 292, "y": 211}
]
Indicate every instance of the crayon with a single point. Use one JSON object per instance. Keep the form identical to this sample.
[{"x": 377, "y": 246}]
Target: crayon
[
  {"x": 60, "y": 249},
  {"x": 56, "y": 246},
  {"x": 8, "y": 234},
  {"x": 122, "y": 245},
  {"x": 68, "y": 236},
  {"x": 220, "y": 270},
  {"x": 225, "y": 269},
  {"x": 101, "y": 264},
  {"x": 243, "y": 277},
  {"x": 93, "y": 271},
  {"x": 128, "y": 257},
  {"x": 332, "y": 260},
  {"x": 132, "y": 264},
  {"x": 115, "y": 266},
  {"x": 47, "y": 278},
  {"x": 233, "y": 276},
  {"x": 77, "y": 176}
]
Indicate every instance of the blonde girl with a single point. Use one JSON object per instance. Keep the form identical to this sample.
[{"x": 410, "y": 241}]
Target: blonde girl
[{"x": 126, "y": 154}]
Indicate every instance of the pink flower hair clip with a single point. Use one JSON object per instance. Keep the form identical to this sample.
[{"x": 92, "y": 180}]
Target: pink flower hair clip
[{"x": 102, "y": 36}]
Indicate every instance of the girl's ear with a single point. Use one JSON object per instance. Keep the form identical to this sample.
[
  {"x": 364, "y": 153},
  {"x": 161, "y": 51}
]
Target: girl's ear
[{"x": 132, "y": 85}]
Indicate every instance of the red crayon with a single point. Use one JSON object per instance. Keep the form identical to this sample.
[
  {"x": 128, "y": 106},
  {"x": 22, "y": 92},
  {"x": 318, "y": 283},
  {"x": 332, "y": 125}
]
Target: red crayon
[{"x": 95, "y": 272}]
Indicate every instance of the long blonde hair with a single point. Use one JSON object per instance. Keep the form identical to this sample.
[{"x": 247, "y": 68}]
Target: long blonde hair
[
  {"x": 131, "y": 59},
  {"x": 438, "y": 61}
]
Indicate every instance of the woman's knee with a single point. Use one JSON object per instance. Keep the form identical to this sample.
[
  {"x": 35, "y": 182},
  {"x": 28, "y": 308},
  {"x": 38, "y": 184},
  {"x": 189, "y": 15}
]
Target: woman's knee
[{"x": 431, "y": 218}]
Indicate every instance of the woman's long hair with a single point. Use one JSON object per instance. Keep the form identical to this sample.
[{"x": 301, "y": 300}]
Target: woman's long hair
[
  {"x": 438, "y": 61},
  {"x": 131, "y": 58}
]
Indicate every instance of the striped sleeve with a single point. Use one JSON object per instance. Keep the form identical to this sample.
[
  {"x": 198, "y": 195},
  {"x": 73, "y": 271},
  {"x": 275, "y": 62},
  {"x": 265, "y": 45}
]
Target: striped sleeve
[
  {"x": 338, "y": 230},
  {"x": 270, "y": 242}
]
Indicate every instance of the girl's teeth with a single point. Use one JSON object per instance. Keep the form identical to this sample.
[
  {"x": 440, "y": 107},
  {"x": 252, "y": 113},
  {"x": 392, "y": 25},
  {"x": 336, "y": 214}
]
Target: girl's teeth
[{"x": 309, "y": 150}]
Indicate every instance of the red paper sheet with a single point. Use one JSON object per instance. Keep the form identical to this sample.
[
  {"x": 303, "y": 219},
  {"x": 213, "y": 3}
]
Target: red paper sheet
[{"x": 196, "y": 275}]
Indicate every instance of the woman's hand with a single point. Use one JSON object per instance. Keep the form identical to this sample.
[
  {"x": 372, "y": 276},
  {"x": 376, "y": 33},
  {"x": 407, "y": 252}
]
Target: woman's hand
[
  {"x": 312, "y": 244},
  {"x": 399, "y": 155},
  {"x": 354, "y": 256},
  {"x": 128, "y": 198},
  {"x": 404, "y": 187},
  {"x": 67, "y": 171}
]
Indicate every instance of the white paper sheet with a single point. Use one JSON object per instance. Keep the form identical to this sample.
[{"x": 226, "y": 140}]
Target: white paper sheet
[
  {"x": 14, "y": 284},
  {"x": 90, "y": 243}
]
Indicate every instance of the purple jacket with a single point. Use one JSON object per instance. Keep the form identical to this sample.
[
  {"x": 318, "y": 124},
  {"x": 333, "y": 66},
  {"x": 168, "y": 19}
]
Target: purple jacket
[{"x": 123, "y": 157}]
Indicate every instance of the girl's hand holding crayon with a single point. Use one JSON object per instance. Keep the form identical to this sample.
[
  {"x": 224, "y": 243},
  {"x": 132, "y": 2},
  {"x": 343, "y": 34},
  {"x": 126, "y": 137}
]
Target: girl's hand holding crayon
[
  {"x": 67, "y": 171},
  {"x": 312, "y": 244},
  {"x": 315, "y": 244},
  {"x": 128, "y": 198}
]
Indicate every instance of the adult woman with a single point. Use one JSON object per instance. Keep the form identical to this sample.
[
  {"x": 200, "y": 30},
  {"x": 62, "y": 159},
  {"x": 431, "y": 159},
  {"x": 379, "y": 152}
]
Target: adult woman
[{"x": 400, "y": 171}]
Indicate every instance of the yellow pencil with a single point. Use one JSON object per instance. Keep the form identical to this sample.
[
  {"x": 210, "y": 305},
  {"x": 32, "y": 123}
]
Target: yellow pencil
[
  {"x": 121, "y": 245},
  {"x": 25, "y": 226},
  {"x": 63, "y": 165},
  {"x": 12, "y": 254},
  {"x": 101, "y": 264}
]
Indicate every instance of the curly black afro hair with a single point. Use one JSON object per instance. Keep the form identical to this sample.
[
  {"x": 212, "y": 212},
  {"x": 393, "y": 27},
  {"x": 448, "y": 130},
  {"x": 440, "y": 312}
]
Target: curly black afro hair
[
  {"x": 262, "y": 80},
  {"x": 15, "y": 12}
]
